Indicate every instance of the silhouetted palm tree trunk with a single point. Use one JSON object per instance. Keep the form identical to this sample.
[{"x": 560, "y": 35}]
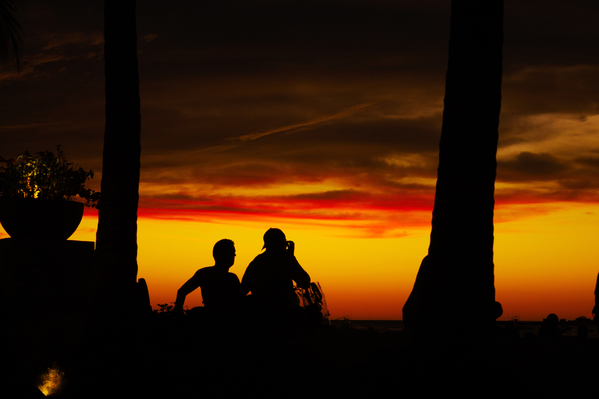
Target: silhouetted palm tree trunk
[
  {"x": 455, "y": 282},
  {"x": 110, "y": 332},
  {"x": 116, "y": 237}
]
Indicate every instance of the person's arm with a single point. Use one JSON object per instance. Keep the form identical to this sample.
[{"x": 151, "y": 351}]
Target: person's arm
[
  {"x": 247, "y": 279},
  {"x": 191, "y": 285},
  {"x": 298, "y": 274}
]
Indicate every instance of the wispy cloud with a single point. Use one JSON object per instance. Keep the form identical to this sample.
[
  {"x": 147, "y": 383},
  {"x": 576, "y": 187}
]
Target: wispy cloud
[
  {"x": 342, "y": 114},
  {"x": 57, "y": 40},
  {"x": 148, "y": 38},
  {"x": 59, "y": 47},
  {"x": 24, "y": 126},
  {"x": 361, "y": 212}
]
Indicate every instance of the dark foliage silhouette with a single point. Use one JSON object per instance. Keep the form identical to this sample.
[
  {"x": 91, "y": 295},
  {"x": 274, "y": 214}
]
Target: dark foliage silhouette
[{"x": 45, "y": 176}]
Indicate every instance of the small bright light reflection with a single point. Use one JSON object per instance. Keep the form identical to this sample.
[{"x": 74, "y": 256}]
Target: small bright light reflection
[{"x": 51, "y": 381}]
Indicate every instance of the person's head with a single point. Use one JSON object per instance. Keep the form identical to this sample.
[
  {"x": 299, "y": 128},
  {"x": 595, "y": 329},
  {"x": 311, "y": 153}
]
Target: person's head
[
  {"x": 275, "y": 240},
  {"x": 224, "y": 252},
  {"x": 552, "y": 320}
]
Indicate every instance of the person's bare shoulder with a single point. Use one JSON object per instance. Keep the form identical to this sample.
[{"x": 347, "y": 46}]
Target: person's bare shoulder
[{"x": 203, "y": 272}]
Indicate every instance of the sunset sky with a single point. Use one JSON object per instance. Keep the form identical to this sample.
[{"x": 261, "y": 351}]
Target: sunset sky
[{"x": 323, "y": 118}]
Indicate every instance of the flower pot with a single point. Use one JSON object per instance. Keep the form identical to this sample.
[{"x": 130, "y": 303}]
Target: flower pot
[{"x": 32, "y": 218}]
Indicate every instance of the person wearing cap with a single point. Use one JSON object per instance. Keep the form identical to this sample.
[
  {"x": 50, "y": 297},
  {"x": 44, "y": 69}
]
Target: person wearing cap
[{"x": 270, "y": 276}]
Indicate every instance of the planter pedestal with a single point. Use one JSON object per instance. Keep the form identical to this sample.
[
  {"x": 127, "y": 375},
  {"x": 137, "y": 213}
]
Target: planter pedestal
[{"x": 44, "y": 288}]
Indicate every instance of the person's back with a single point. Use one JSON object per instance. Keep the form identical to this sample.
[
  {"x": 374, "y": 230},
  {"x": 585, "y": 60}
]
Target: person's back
[
  {"x": 220, "y": 291},
  {"x": 270, "y": 276}
]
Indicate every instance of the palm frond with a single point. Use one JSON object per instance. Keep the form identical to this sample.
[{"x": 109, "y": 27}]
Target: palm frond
[{"x": 11, "y": 32}]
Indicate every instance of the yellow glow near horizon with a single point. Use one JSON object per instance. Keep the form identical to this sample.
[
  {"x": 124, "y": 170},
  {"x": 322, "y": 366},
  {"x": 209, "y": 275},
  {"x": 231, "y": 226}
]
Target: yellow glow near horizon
[
  {"x": 545, "y": 259},
  {"x": 347, "y": 268},
  {"x": 544, "y": 263},
  {"x": 548, "y": 264}
]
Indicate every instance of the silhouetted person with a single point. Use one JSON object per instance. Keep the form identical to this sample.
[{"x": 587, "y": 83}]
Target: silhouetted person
[
  {"x": 270, "y": 276},
  {"x": 549, "y": 327},
  {"x": 582, "y": 333},
  {"x": 221, "y": 290},
  {"x": 596, "y": 308},
  {"x": 510, "y": 330}
]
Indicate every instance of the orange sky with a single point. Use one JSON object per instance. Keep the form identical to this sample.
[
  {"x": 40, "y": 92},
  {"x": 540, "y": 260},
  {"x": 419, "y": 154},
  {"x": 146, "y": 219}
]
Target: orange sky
[
  {"x": 323, "y": 119},
  {"x": 543, "y": 264}
]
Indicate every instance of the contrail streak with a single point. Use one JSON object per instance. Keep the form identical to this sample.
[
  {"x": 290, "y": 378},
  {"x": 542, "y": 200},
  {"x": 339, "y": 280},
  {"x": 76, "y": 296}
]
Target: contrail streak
[{"x": 342, "y": 114}]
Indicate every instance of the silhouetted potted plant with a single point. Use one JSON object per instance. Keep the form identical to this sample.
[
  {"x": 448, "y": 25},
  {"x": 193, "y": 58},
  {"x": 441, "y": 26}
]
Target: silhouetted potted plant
[{"x": 42, "y": 196}]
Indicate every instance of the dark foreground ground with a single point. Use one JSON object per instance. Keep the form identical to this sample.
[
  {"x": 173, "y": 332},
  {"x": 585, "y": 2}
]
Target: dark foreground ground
[{"x": 165, "y": 358}]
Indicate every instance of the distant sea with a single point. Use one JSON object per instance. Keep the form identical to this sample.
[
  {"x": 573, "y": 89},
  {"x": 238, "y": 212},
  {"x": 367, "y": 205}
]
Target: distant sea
[
  {"x": 568, "y": 328},
  {"x": 377, "y": 325}
]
